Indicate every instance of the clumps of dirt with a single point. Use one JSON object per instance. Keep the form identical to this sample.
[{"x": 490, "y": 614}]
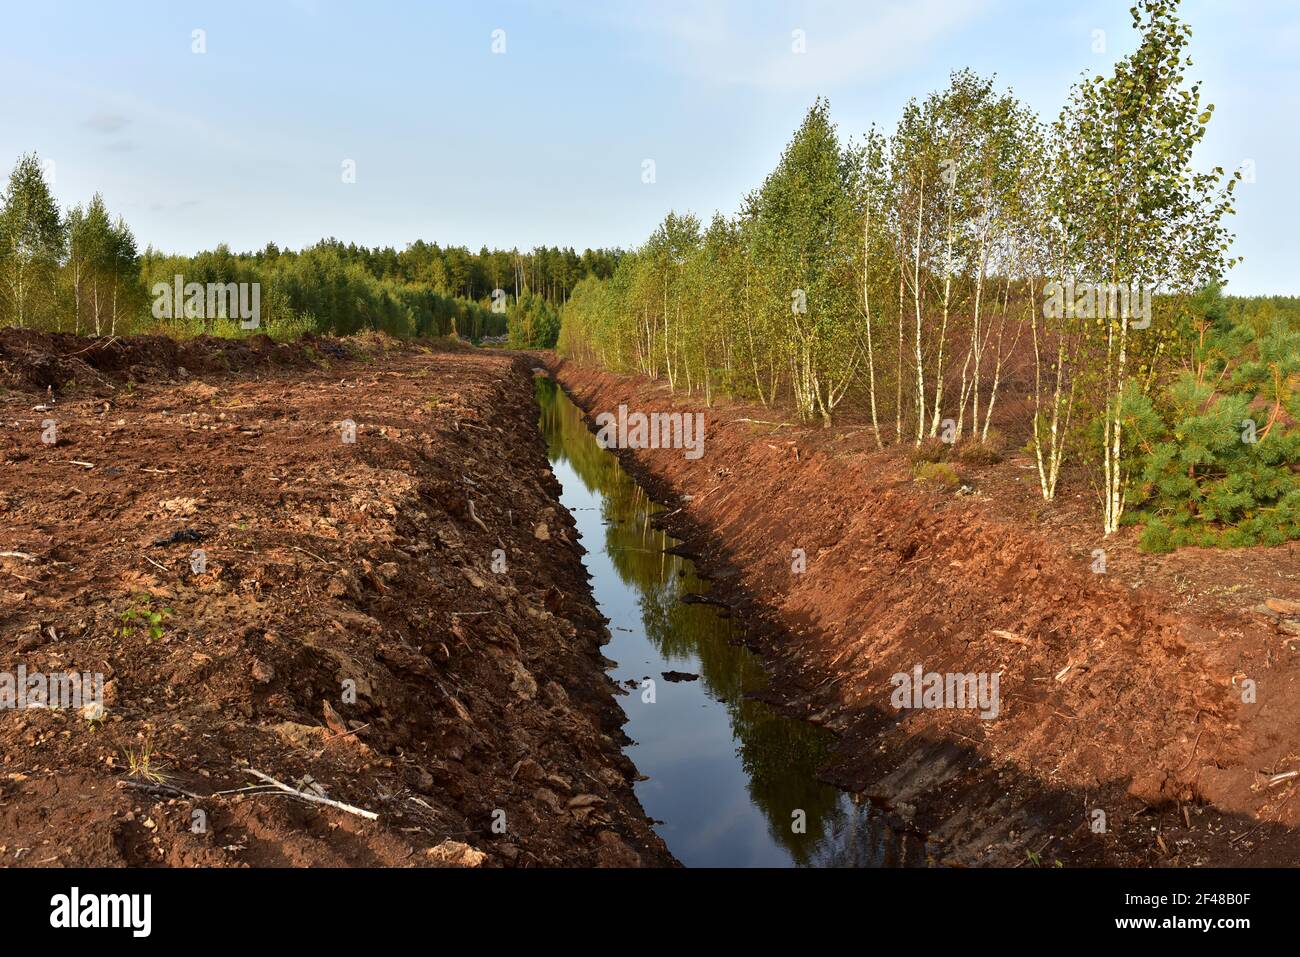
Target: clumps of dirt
[
  {"x": 322, "y": 580},
  {"x": 54, "y": 362},
  {"x": 1123, "y": 734}
]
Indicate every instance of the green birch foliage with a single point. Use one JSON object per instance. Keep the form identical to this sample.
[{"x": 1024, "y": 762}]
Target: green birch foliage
[
  {"x": 32, "y": 243},
  {"x": 806, "y": 236}
]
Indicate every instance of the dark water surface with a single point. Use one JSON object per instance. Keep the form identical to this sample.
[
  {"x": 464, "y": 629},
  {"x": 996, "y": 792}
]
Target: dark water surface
[{"x": 726, "y": 774}]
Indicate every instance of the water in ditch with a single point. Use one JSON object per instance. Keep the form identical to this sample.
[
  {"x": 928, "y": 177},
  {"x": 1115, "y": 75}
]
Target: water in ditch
[{"x": 731, "y": 782}]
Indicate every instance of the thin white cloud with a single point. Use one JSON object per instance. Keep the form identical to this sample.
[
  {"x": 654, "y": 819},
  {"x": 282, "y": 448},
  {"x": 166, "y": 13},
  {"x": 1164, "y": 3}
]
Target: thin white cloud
[{"x": 737, "y": 43}]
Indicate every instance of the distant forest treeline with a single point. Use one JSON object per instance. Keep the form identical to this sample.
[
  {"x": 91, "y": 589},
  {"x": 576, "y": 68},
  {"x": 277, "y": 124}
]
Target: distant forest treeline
[{"x": 83, "y": 272}]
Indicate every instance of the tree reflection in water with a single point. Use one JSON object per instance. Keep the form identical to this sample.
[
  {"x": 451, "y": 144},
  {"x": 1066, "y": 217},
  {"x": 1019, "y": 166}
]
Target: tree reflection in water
[{"x": 772, "y": 757}]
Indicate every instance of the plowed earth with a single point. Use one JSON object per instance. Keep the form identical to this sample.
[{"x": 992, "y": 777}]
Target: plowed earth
[
  {"x": 1127, "y": 733},
  {"x": 343, "y": 631}
]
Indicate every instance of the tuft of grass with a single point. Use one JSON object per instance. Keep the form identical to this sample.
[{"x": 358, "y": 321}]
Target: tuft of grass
[
  {"x": 140, "y": 764},
  {"x": 930, "y": 450},
  {"x": 978, "y": 453},
  {"x": 940, "y": 473},
  {"x": 995, "y": 440}
]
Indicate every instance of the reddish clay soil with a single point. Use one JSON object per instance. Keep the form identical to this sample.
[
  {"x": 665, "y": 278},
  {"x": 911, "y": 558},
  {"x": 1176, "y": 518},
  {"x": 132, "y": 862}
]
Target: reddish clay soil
[
  {"x": 1121, "y": 693},
  {"x": 331, "y": 567}
]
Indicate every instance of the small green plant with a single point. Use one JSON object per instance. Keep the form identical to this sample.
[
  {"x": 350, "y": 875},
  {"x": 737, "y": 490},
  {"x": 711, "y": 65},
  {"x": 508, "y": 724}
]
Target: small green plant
[
  {"x": 143, "y": 615},
  {"x": 139, "y": 764},
  {"x": 941, "y": 473},
  {"x": 291, "y": 326}
]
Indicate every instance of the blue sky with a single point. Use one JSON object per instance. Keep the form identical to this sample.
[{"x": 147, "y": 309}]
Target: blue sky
[{"x": 545, "y": 142}]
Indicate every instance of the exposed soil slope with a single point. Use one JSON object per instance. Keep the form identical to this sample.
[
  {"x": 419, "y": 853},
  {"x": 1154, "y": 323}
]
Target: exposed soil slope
[
  {"x": 1114, "y": 699},
  {"x": 348, "y": 631}
]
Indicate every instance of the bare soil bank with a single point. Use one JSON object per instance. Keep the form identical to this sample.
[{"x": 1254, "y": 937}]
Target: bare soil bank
[
  {"x": 1115, "y": 700},
  {"x": 348, "y": 632}
]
